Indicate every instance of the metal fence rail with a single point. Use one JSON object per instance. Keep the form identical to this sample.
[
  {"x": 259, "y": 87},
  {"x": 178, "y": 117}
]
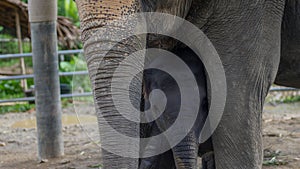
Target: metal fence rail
[
  {"x": 283, "y": 89},
  {"x": 25, "y": 99},
  {"x": 22, "y": 55},
  {"x": 29, "y": 76},
  {"x": 70, "y": 52}
]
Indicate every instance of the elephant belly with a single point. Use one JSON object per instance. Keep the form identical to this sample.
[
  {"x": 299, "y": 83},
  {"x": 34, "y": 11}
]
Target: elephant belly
[{"x": 289, "y": 69}]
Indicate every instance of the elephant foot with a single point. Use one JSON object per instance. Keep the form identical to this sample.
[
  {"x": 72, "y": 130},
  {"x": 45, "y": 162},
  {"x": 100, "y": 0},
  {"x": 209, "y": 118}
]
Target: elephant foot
[
  {"x": 147, "y": 164},
  {"x": 162, "y": 161},
  {"x": 208, "y": 160}
]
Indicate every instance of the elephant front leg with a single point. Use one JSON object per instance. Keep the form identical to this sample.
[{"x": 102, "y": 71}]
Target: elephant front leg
[
  {"x": 208, "y": 161},
  {"x": 247, "y": 38},
  {"x": 105, "y": 32},
  {"x": 156, "y": 160}
]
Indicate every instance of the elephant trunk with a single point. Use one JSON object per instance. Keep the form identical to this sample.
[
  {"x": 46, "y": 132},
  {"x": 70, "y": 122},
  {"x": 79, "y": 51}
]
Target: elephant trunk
[
  {"x": 100, "y": 22},
  {"x": 186, "y": 152}
]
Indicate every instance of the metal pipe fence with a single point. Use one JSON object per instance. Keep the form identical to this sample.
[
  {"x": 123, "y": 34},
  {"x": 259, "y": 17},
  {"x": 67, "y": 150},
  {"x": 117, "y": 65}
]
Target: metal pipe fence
[
  {"x": 29, "y": 76},
  {"x": 283, "y": 89},
  {"x": 77, "y": 73},
  {"x": 20, "y": 55}
]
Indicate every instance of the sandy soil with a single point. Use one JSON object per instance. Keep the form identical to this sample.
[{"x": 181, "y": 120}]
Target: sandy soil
[
  {"x": 281, "y": 131},
  {"x": 18, "y": 139}
]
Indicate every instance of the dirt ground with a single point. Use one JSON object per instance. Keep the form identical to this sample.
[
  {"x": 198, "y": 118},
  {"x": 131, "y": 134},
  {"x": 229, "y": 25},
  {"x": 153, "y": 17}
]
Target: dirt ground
[{"x": 18, "y": 149}]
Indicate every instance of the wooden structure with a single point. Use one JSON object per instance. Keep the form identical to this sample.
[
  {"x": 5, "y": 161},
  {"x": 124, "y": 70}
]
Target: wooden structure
[
  {"x": 14, "y": 16},
  {"x": 14, "y": 19}
]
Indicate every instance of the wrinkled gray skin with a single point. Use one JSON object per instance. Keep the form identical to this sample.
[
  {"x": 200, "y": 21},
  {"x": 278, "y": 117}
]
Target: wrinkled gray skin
[
  {"x": 251, "y": 36},
  {"x": 179, "y": 156}
]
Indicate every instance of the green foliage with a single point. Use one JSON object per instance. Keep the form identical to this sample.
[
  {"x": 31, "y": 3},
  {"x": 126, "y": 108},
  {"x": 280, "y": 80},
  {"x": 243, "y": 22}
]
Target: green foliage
[
  {"x": 78, "y": 81},
  {"x": 68, "y": 8},
  {"x": 10, "y": 89},
  {"x": 274, "y": 162},
  {"x": 8, "y": 62},
  {"x": 66, "y": 102},
  {"x": 283, "y": 99},
  {"x": 271, "y": 158},
  {"x": 291, "y": 99},
  {"x": 61, "y": 7},
  {"x": 71, "y": 10},
  {"x": 28, "y": 62},
  {"x": 10, "y": 47},
  {"x": 16, "y": 108},
  {"x": 95, "y": 166},
  {"x": 66, "y": 67},
  {"x": 30, "y": 82}
]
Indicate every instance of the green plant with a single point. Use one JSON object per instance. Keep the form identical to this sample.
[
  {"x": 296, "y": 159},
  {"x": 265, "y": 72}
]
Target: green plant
[
  {"x": 82, "y": 82},
  {"x": 8, "y": 46},
  {"x": 10, "y": 89},
  {"x": 271, "y": 158},
  {"x": 78, "y": 81},
  {"x": 16, "y": 108},
  {"x": 66, "y": 102},
  {"x": 291, "y": 99},
  {"x": 68, "y": 8},
  {"x": 11, "y": 47},
  {"x": 71, "y": 10},
  {"x": 65, "y": 66},
  {"x": 8, "y": 62},
  {"x": 95, "y": 166}
]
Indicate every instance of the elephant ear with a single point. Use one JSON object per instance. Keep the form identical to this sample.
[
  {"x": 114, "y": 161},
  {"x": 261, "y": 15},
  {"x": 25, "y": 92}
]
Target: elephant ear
[{"x": 174, "y": 7}]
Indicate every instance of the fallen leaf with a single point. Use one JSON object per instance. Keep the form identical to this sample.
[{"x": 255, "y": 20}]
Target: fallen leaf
[
  {"x": 95, "y": 166},
  {"x": 65, "y": 162},
  {"x": 43, "y": 161},
  {"x": 2, "y": 144}
]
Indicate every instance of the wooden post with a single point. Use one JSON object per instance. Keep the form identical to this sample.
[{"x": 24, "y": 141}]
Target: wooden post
[{"x": 20, "y": 46}]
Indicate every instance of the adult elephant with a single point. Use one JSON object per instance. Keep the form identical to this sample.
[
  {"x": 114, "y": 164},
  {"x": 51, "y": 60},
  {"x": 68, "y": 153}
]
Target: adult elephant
[{"x": 249, "y": 35}]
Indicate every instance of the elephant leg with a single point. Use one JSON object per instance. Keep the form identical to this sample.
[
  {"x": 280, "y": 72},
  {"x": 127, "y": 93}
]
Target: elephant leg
[
  {"x": 159, "y": 161},
  {"x": 246, "y": 35},
  {"x": 208, "y": 161},
  {"x": 162, "y": 161},
  {"x": 207, "y": 155}
]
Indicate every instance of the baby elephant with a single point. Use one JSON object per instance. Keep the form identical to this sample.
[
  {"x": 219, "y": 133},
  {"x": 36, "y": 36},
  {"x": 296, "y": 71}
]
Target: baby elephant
[{"x": 184, "y": 154}]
